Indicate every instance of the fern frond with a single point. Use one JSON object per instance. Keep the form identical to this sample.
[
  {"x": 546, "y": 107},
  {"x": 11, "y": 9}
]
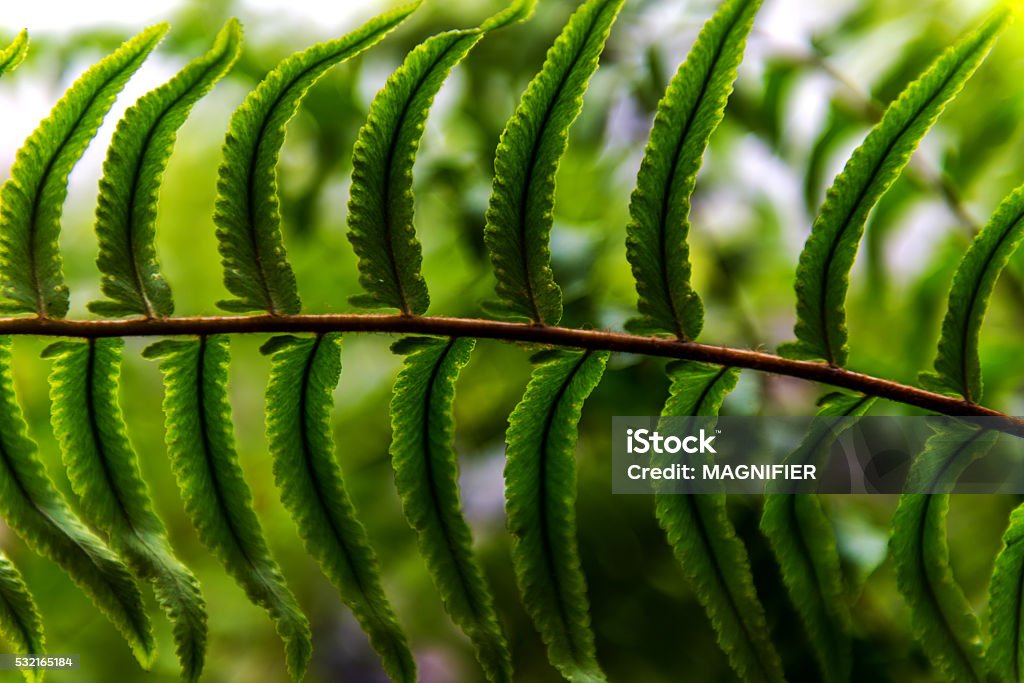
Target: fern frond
[
  {"x": 299, "y": 400},
  {"x": 519, "y": 217},
  {"x": 1005, "y": 654},
  {"x": 688, "y": 114},
  {"x": 31, "y": 201},
  {"x": 14, "y": 54},
  {"x": 136, "y": 159},
  {"x": 201, "y": 446},
  {"x": 427, "y": 477},
  {"x": 380, "y": 207},
  {"x": 704, "y": 541},
  {"x": 540, "y": 500},
  {"x": 804, "y": 544},
  {"x": 248, "y": 212},
  {"x": 104, "y": 472},
  {"x": 942, "y": 619},
  {"x": 823, "y": 273},
  {"x": 20, "y": 622},
  {"x": 33, "y": 507},
  {"x": 957, "y": 364}
]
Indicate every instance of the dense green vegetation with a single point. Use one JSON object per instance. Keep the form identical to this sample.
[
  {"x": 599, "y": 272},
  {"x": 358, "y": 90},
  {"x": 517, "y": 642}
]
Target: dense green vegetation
[{"x": 271, "y": 493}]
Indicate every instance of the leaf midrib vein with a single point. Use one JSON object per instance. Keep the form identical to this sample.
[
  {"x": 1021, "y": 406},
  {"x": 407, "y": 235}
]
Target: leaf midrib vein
[
  {"x": 862, "y": 193},
  {"x": 547, "y": 543},
  {"x": 666, "y": 196}
]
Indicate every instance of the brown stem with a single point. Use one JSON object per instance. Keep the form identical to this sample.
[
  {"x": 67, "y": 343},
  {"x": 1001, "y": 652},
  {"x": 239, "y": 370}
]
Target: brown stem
[{"x": 597, "y": 340}]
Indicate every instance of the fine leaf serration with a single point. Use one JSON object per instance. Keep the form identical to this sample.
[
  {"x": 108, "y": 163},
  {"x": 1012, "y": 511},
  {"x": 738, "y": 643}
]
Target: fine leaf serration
[
  {"x": 201, "y": 445},
  {"x": 305, "y": 372},
  {"x": 380, "y": 208},
  {"x": 31, "y": 201},
  {"x": 703, "y": 539},
  {"x": 426, "y": 474},
  {"x": 519, "y": 217},
  {"x": 14, "y": 54},
  {"x": 823, "y": 274},
  {"x": 304, "y": 354},
  {"x": 248, "y": 212},
  {"x": 802, "y": 539},
  {"x": 20, "y": 622},
  {"x": 958, "y": 364},
  {"x": 104, "y": 472},
  {"x": 33, "y": 507},
  {"x": 1005, "y": 653},
  {"x": 136, "y": 159},
  {"x": 943, "y": 620},
  {"x": 540, "y": 498},
  {"x": 693, "y": 106}
]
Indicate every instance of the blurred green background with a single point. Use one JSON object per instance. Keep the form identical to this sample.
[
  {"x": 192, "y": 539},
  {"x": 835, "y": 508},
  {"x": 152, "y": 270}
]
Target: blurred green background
[{"x": 814, "y": 80}]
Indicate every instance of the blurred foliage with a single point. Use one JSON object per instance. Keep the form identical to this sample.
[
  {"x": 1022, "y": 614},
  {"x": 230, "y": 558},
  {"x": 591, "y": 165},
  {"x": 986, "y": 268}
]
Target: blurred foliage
[{"x": 814, "y": 81}]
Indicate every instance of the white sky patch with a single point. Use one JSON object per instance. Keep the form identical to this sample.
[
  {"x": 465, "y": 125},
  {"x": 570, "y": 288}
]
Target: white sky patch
[{"x": 64, "y": 16}]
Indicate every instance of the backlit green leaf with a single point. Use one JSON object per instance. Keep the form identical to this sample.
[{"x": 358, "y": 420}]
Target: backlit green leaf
[
  {"x": 299, "y": 401},
  {"x": 540, "y": 505},
  {"x": 201, "y": 445},
  {"x": 248, "y": 212},
  {"x": 519, "y": 217},
  {"x": 104, "y": 472},
  {"x": 136, "y": 159},
  {"x": 703, "y": 539},
  {"x": 380, "y": 208},
  {"x": 942, "y": 619},
  {"x": 427, "y": 477},
  {"x": 690, "y": 111},
  {"x": 958, "y": 365},
  {"x": 32, "y": 200},
  {"x": 823, "y": 274}
]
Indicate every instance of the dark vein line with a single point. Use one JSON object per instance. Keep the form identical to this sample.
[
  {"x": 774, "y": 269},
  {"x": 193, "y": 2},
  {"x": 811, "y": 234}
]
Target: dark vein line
[
  {"x": 674, "y": 168},
  {"x": 328, "y": 505},
  {"x": 251, "y": 197},
  {"x": 432, "y": 486},
  {"x": 389, "y": 161},
  {"x": 531, "y": 164},
  {"x": 547, "y": 542},
  {"x": 133, "y": 189},
  {"x": 862, "y": 193},
  {"x": 965, "y": 331}
]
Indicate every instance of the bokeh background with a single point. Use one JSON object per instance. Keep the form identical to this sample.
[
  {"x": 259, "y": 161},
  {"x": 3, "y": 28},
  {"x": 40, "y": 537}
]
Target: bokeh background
[{"x": 816, "y": 76}]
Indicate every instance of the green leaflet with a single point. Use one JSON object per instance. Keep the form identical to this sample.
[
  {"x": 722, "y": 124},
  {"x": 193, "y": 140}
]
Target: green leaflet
[
  {"x": 299, "y": 400},
  {"x": 942, "y": 619},
  {"x": 201, "y": 445},
  {"x": 957, "y": 365},
  {"x": 136, "y": 159},
  {"x": 1005, "y": 656},
  {"x": 248, "y": 212},
  {"x": 20, "y": 623},
  {"x": 803, "y": 541},
  {"x": 14, "y": 54},
  {"x": 31, "y": 201},
  {"x": 427, "y": 477},
  {"x": 380, "y": 208},
  {"x": 704, "y": 541},
  {"x": 104, "y": 472},
  {"x": 540, "y": 499},
  {"x": 519, "y": 217},
  {"x": 31, "y": 505},
  {"x": 690, "y": 111},
  {"x": 823, "y": 273}
]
